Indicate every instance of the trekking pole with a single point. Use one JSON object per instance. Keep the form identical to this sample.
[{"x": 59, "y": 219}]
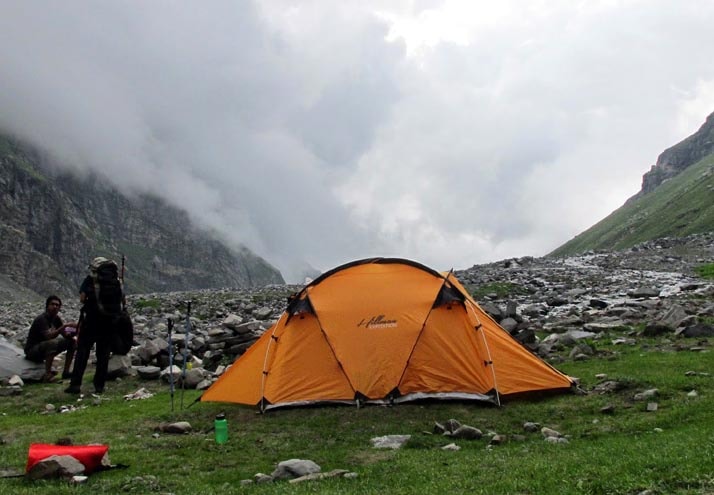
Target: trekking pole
[
  {"x": 121, "y": 277},
  {"x": 185, "y": 349},
  {"x": 170, "y": 324}
]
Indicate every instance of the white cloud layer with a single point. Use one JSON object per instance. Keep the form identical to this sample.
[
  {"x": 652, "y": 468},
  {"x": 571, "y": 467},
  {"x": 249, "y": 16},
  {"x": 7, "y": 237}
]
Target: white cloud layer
[{"x": 449, "y": 132}]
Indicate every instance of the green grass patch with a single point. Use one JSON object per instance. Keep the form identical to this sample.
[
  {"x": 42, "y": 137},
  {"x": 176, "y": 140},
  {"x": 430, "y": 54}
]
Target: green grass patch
[
  {"x": 632, "y": 450},
  {"x": 498, "y": 289},
  {"x": 706, "y": 271},
  {"x": 147, "y": 303}
]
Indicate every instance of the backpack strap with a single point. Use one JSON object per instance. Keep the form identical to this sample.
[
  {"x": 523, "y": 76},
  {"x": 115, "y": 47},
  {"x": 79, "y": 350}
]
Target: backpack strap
[{"x": 97, "y": 289}]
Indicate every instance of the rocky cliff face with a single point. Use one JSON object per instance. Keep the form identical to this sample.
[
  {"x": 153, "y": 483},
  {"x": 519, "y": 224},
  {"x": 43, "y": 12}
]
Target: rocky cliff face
[
  {"x": 52, "y": 224},
  {"x": 680, "y": 156}
]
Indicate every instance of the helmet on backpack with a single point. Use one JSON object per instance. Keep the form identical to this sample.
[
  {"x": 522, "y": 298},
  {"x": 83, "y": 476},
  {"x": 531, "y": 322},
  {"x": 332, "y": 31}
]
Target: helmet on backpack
[{"x": 97, "y": 262}]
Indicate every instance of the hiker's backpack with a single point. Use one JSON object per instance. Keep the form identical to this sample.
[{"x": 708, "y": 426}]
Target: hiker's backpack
[{"x": 107, "y": 286}]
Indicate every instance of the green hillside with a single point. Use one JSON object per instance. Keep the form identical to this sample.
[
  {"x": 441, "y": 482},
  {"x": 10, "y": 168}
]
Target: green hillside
[{"x": 680, "y": 206}]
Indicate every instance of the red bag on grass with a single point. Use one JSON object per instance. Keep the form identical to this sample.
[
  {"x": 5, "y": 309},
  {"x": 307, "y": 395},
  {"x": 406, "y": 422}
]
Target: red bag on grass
[{"x": 89, "y": 455}]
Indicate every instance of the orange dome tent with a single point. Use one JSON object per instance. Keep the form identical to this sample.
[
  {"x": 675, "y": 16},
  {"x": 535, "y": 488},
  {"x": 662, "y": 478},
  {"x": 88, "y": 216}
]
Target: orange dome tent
[{"x": 383, "y": 330}]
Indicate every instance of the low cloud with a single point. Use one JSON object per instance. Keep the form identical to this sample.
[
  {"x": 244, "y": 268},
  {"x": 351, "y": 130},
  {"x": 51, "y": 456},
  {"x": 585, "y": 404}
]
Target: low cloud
[{"x": 445, "y": 132}]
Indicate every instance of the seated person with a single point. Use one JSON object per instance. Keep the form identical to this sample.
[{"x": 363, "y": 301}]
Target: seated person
[{"x": 43, "y": 343}]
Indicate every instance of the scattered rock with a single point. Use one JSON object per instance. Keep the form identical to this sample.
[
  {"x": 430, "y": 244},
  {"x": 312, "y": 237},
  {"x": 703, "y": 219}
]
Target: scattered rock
[
  {"x": 390, "y": 441},
  {"x": 178, "y": 428},
  {"x": 531, "y": 427},
  {"x": 56, "y": 466},
  {"x": 149, "y": 372},
  {"x": 467, "y": 433},
  {"x": 498, "y": 440},
  {"x": 656, "y": 329},
  {"x": 142, "y": 393},
  {"x": 295, "y": 468},
  {"x": 647, "y": 394},
  {"x": 608, "y": 409},
  {"x": 697, "y": 331},
  {"x": 547, "y": 432},
  {"x": 452, "y": 425}
]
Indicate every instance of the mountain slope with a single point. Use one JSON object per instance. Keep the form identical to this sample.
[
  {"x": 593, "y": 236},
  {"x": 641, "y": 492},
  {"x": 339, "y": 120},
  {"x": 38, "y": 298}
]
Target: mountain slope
[
  {"x": 681, "y": 206},
  {"x": 677, "y": 199},
  {"x": 52, "y": 224}
]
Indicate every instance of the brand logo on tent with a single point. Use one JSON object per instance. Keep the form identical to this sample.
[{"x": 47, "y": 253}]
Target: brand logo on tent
[{"x": 378, "y": 321}]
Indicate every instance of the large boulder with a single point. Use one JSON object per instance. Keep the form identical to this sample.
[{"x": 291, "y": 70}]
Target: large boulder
[{"x": 13, "y": 362}]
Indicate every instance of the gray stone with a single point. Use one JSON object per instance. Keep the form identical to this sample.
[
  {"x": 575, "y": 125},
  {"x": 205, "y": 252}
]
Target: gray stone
[
  {"x": 177, "y": 428},
  {"x": 599, "y": 327},
  {"x": 597, "y": 304},
  {"x": 15, "y": 381},
  {"x": 194, "y": 376},
  {"x": 493, "y": 310},
  {"x": 13, "y": 362},
  {"x": 498, "y": 440},
  {"x": 55, "y": 466},
  {"x": 647, "y": 394},
  {"x": 467, "y": 433},
  {"x": 531, "y": 427},
  {"x": 548, "y": 432},
  {"x": 644, "y": 292},
  {"x": 262, "y": 478},
  {"x": 390, "y": 441},
  {"x": 148, "y": 372},
  {"x": 452, "y": 425},
  {"x": 697, "y": 331},
  {"x": 232, "y": 321},
  {"x": 147, "y": 351},
  {"x": 656, "y": 329},
  {"x": 508, "y": 324},
  {"x": 119, "y": 366},
  {"x": 263, "y": 313},
  {"x": 294, "y": 468},
  {"x": 511, "y": 310},
  {"x": 674, "y": 316}
]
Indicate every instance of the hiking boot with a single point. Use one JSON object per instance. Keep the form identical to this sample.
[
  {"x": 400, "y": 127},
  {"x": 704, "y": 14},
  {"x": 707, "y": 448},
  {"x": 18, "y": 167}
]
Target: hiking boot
[
  {"x": 73, "y": 389},
  {"x": 49, "y": 377},
  {"x": 66, "y": 375},
  {"x": 98, "y": 391}
]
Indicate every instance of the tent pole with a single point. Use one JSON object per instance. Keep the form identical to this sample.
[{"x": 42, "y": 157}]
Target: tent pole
[
  {"x": 488, "y": 351},
  {"x": 273, "y": 338}
]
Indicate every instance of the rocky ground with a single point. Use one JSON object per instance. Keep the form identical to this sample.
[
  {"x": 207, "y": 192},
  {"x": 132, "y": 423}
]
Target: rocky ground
[{"x": 553, "y": 306}]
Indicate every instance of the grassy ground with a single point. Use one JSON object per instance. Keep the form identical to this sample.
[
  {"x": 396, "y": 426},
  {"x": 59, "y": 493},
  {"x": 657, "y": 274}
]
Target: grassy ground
[{"x": 667, "y": 451}]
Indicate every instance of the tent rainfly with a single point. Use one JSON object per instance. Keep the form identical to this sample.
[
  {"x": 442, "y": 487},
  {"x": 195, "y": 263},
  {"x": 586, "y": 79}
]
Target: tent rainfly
[{"x": 383, "y": 330}]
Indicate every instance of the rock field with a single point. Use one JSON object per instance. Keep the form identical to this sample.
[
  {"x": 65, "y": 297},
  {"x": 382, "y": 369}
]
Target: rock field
[{"x": 551, "y": 305}]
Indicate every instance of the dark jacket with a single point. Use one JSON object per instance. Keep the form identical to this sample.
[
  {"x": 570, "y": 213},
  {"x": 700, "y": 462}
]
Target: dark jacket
[{"x": 39, "y": 328}]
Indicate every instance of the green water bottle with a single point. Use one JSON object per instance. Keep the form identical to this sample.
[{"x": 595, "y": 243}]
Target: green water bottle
[{"x": 221, "y": 428}]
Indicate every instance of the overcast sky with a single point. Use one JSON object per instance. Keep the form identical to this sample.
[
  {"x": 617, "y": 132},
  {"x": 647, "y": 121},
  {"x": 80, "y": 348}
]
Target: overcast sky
[{"x": 451, "y": 133}]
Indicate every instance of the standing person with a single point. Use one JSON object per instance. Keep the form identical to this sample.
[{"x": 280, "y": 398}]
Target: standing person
[
  {"x": 43, "y": 342},
  {"x": 101, "y": 297}
]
